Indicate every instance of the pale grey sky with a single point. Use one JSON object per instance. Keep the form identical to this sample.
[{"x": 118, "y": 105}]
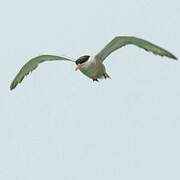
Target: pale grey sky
[{"x": 58, "y": 124}]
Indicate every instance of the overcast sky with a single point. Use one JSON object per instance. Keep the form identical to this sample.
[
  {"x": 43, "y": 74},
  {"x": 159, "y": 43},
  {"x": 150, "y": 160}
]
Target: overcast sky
[{"x": 58, "y": 124}]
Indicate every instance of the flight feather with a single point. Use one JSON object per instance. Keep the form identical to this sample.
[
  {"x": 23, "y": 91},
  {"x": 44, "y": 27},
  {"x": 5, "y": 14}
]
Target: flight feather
[
  {"x": 33, "y": 64},
  {"x": 121, "y": 41}
]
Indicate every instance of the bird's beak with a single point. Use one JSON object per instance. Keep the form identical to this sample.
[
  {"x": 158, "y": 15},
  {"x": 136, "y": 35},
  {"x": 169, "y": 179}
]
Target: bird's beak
[{"x": 78, "y": 66}]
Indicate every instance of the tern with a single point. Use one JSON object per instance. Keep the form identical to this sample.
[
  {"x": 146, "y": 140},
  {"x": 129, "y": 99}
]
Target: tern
[{"x": 92, "y": 66}]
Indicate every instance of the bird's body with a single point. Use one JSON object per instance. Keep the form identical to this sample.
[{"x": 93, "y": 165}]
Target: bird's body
[
  {"x": 92, "y": 66},
  {"x": 93, "y": 69}
]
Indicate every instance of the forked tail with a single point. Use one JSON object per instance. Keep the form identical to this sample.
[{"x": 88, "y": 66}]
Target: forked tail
[{"x": 106, "y": 75}]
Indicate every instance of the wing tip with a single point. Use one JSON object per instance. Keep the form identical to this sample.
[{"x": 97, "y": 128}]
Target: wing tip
[
  {"x": 172, "y": 56},
  {"x": 175, "y": 58},
  {"x": 12, "y": 86}
]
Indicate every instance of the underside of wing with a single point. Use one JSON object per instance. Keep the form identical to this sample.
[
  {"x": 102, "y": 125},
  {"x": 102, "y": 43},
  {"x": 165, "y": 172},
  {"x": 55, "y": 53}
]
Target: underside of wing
[
  {"x": 121, "y": 41},
  {"x": 33, "y": 64}
]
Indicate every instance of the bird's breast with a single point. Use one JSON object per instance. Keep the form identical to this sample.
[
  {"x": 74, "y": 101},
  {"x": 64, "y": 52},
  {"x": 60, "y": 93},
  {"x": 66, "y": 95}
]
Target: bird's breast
[{"x": 93, "y": 69}]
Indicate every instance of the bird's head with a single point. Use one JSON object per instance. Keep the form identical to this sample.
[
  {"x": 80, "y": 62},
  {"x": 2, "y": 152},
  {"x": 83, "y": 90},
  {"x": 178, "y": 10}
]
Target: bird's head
[{"x": 81, "y": 60}]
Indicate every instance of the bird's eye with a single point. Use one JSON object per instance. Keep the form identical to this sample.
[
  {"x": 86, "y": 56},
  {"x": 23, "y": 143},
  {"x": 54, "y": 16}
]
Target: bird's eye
[{"x": 77, "y": 62}]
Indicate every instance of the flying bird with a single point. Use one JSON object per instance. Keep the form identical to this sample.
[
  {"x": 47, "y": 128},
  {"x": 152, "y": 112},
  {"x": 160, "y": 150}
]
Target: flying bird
[{"x": 92, "y": 66}]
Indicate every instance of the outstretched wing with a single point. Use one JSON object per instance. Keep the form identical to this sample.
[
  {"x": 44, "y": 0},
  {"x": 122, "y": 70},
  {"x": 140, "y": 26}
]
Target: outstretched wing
[
  {"x": 33, "y": 64},
  {"x": 121, "y": 41}
]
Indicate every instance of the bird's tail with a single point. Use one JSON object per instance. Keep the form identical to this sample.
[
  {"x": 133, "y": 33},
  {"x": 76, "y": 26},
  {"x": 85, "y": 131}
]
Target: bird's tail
[{"x": 106, "y": 75}]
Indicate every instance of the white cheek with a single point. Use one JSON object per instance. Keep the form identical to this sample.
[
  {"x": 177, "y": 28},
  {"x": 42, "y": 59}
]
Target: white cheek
[{"x": 85, "y": 66}]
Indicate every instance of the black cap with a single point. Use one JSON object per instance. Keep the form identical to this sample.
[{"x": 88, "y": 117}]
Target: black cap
[{"x": 82, "y": 59}]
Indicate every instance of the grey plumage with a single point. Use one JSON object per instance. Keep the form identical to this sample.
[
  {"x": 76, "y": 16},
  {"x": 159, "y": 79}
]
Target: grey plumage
[
  {"x": 92, "y": 67},
  {"x": 33, "y": 64}
]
